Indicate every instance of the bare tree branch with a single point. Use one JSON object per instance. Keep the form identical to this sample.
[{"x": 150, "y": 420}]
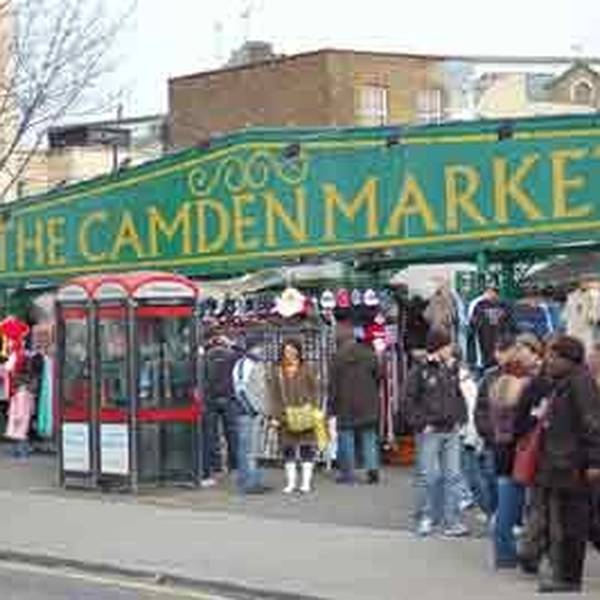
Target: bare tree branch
[{"x": 54, "y": 55}]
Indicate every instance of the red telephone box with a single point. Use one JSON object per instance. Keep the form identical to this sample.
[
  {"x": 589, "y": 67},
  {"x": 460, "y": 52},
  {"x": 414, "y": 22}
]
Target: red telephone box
[{"x": 129, "y": 408}]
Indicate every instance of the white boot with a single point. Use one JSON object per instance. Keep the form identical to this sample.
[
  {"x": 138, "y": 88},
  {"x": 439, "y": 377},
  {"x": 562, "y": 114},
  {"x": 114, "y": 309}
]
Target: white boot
[
  {"x": 307, "y": 473},
  {"x": 291, "y": 477}
]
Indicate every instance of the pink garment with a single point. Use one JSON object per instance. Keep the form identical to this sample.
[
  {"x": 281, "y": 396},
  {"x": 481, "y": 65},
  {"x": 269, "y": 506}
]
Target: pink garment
[{"x": 20, "y": 412}]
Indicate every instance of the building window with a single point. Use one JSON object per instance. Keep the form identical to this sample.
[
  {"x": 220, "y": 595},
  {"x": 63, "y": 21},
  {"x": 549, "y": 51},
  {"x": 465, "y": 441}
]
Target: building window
[
  {"x": 372, "y": 105},
  {"x": 429, "y": 106},
  {"x": 582, "y": 92}
]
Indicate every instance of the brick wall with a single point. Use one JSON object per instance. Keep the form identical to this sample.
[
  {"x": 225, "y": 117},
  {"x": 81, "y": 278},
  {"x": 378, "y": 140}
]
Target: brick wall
[
  {"x": 315, "y": 89},
  {"x": 292, "y": 92}
]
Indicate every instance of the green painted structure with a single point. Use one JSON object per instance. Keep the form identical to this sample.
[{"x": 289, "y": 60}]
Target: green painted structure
[{"x": 259, "y": 197}]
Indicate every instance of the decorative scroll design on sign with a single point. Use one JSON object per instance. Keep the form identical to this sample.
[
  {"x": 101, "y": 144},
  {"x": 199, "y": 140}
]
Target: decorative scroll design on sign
[{"x": 238, "y": 174}]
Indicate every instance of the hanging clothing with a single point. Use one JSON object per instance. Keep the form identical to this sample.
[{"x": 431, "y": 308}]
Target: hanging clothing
[
  {"x": 491, "y": 319},
  {"x": 20, "y": 412},
  {"x": 442, "y": 313},
  {"x": 45, "y": 420},
  {"x": 462, "y": 323},
  {"x": 582, "y": 316}
]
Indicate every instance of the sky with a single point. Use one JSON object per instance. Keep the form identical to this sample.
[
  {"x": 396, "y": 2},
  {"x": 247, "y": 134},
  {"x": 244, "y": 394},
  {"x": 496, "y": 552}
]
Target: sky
[{"x": 163, "y": 39}]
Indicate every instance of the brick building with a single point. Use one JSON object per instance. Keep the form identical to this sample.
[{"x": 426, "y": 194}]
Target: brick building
[
  {"x": 345, "y": 88},
  {"x": 321, "y": 88}
]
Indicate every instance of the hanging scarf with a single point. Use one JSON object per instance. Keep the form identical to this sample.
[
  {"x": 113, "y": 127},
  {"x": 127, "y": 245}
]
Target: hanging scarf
[{"x": 45, "y": 424}]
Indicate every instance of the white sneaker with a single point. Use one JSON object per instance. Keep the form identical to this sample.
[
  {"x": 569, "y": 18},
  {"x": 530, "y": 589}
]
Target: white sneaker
[
  {"x": 465, "y": 505},
  {"x": 208, "y": 483},
  {"x": 425, "y": 527},
  {"x": 455, "y": 531}
]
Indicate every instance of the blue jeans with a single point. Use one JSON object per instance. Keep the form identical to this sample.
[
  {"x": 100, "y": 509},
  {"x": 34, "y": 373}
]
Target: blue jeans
[
  {"x": 511, "y": 499},
  {"x": 224, "y": 410},
  {"x": 487, "y": 463},
  {"x": 249, "y": 475},
  {"x": 473, "y": 471},
  {"x": 438, "y": 477},
  {"x": 347, "y": 449}
]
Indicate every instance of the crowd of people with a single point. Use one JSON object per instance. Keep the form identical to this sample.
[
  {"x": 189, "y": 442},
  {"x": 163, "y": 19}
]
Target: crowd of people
[
  {"x": 522, "y": 443},
  {"x": 241, "y": 388},
  {"x": 519, "y": 444}
]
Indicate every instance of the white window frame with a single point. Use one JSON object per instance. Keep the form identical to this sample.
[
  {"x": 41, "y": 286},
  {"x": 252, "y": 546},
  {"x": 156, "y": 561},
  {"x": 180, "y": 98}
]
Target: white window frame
[
  {"x": 372, "y": 105},
  {"x": 589, "y": 84},
  {"x": 430, "y": 106}
]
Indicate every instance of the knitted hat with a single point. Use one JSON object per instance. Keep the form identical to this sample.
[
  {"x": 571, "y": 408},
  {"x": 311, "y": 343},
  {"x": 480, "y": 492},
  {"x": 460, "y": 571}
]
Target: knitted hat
[
  {"x": 342, "y": 298},
  {"x": 437, "y": 339},
  {"x": 569, "y": 348}
]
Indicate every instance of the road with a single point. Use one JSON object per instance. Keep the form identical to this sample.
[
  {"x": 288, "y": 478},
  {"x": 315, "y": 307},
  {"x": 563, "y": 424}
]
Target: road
[{"x": 27, "y": 582}]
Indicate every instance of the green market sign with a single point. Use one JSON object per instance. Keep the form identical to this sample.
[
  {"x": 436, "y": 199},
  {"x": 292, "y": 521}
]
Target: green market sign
[{"x": 261, "y": 197}]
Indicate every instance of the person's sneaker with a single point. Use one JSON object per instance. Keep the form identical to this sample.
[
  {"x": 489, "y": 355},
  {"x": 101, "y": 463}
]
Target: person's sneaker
[
  {"x": 559, "y": 587},
  {"x": 208, "y": 483},
  {"x": 373, "y": 477},
  {"x": 504, "y": 564},
  {"x": 257, "y": 490},
  {"x": 456, "y": 531},
  {"x": 425, "y": 527},
  {"x": 529, "y": 566},
  {"x": 465, "y": 505}
]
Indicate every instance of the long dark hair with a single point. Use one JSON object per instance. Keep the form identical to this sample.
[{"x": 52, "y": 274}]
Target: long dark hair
[{"x": 294, "y": 343}]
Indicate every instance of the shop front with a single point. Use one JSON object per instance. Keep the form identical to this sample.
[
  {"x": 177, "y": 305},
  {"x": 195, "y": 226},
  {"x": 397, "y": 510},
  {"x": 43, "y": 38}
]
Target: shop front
[{"x": 496, "y": 194}]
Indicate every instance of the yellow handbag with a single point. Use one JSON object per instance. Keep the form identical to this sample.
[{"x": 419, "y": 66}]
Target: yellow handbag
[{"x": 300, "y": 419}]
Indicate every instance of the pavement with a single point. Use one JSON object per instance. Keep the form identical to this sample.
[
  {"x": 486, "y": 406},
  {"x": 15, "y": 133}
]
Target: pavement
[
  {"x": 343, "y": 543},
  {"x": 28, "y": 582}
]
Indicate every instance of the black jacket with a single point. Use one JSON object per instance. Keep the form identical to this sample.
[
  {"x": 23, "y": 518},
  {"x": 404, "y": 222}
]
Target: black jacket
[
  {"x": 434, "y": 397},
  {"x": 354, "y": 385},
  {"x": 218, "y": 373},
  {"x": 571, "y": 440}
]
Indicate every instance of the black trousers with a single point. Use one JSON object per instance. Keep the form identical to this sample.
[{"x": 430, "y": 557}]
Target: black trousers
[{"x": 561, "y": 528}]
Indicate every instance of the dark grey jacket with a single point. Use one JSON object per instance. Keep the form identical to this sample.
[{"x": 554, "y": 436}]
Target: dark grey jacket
[
  {"x": 571, "y": 440},
  {"x": 434, "y": 397},
  {"x": 354, "y": 385}
]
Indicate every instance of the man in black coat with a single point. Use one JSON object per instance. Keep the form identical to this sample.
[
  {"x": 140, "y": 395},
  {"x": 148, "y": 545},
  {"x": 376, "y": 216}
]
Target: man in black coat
[
  {"x": 569, "y": 462},
  {"x": 220, "y": 405},
  {"x": 354, "y": 395},
  {"x": 436, "y": 410}
]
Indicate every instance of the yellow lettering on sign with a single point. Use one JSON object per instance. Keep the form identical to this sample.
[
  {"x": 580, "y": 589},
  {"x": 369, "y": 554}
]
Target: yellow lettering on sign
[
  {"x": 294, "y": 224},
  {"x": 366, "y": 198},
  {"x": 508, "y": 188},
  {"x": 462, "y": 184},
  {"x": 25, "y": 243},
  {"x": 563, "y": 185},
  {"x": 157, "y": 225},
  {"x": 55, "y": 234},
  {"x": 127, "y": 237},
  {"x": 206, "y": 246},
  {"x": 94, "y": 218},
  {"x": 243, "y": 221},
  {"x": 412, "y": 202}
]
